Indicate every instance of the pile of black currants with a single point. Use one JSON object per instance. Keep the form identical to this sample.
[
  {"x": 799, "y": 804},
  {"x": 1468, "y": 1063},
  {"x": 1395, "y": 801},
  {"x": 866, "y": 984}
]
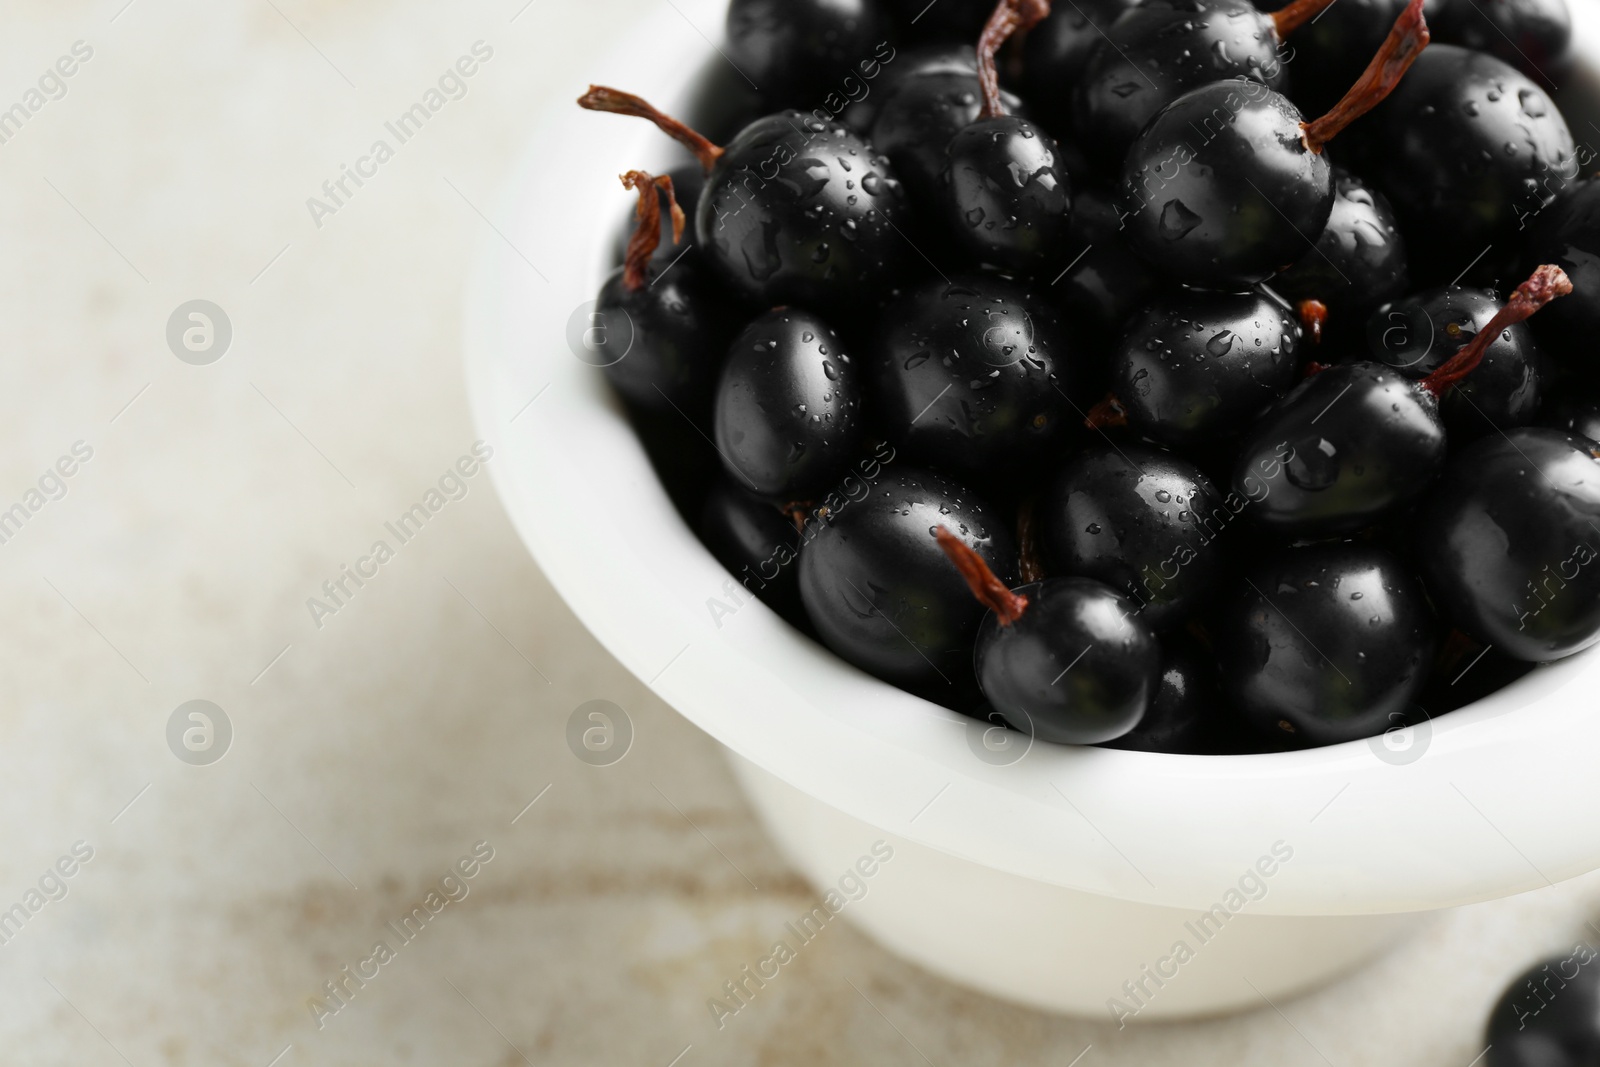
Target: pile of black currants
[{"x": 1151, "y": 373}]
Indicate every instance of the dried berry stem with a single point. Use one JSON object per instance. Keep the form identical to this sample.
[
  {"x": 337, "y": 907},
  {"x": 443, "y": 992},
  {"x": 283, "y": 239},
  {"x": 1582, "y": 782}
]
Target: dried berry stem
[
  {"x": 1402, "y": 47},
  {"x": 1313, "y": 319},
  {"x": 617, "y": 102},
  {"x": 1010, "y": 17},
  {"x": 646, "y": 236},
  {"x": 990, "y": 591},
  {"x": 1109, "y": 412},
  {"x": 1290, "y": 18},
  {"x": 1546, "y": 284},
  {"x": 1028, "y": 542}
]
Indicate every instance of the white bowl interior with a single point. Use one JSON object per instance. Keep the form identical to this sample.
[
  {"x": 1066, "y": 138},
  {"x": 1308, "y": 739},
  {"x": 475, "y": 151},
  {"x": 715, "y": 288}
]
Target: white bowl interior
[{"x": 1492, "y": 807}]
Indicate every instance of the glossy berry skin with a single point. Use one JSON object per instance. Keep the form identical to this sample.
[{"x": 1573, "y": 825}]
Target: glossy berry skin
[
  {"x": 1508, "y": 547},
  {"x": 1567, "y": 233},
  {"x": 795, "y": 212},
  {"x": 1343, "y": 450},
  {"x": 1008, "y": 196},
  {"x": 1056, "y": 54},
  {"x": 1141, "y": 521},
  {"x": 903, "y": 64},
  {"x": 1465, "y": 148},
  {"x": 1577, "y": 416},
  {"x": 796, "y": 49},
  {"x": 1535, "y": 36},
  {"x": 1359, "y": 261},
  {"x": 1195, "y": 367},
  {"x": 1078, "y": 668},
  {"x": 917, "y": 121},
  {"x": 668, "y": 337},
  {"x": 972, "y": 376},
  {"x": 1185, "y": 714},
  {"x": 1160, "y": 49},
  {"x": 1325, "y": 643},
  {"x": 1549, "y": 1016},
  {"x": 882, "y": 594},
  {"x": 788, "y": 407},
  {"x": 756, "y": 543},
  {"x": 1418, "y": 333},
  {"x": 1247, "y": 200},
  {"x": 1105, "y": 281}
]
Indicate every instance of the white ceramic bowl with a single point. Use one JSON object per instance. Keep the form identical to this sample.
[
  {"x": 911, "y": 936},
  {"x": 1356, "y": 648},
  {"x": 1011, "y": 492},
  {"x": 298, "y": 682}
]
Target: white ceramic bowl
[{"x": 1054, "y": 879}]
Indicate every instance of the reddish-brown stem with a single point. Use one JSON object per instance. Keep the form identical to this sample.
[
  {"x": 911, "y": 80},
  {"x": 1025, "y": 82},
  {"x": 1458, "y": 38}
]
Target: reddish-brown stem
[
  {"x": 1313, "y": 317},
  {"x": 1028, "y": 543},
  {"x": 1109, "y": 412},
  {"x": 1290, "y": 18},
  {"x": 1402, "y": 47},
  {"x": 617, "y": 102},
  {"x": 646, "y": 236},
  {"x": 1313, "y": 369},
  {"x": 1546, "y": 284},
  {"x": 1010, "y": 17},
  {"x": 990, "y": 591},
  {"x": 799, "y": 513}
]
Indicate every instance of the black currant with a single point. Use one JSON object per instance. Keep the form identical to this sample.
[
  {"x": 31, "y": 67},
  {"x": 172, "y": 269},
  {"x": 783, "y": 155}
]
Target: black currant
[
  {"x": 882, "y": 595},
  {"x": 1228, "y": 184},
  {"x": 1344, "y": 449},
  {"x": 1549, "y": 1016},
  {"x": 661, "y": 332},
  {"x": 861, "y": 114},
  {"x": 1194, "y": 367},
  {"x": 916, "y": 122},
  {"x": 1358, "y": 263},
  {"x": 797, "y": 50},
  {"x": 794, "y": 211},
  {"x": 1357, "y": 440},
  {"x": 1417, "y": 334},
  {"x": 1466, "y": 149},
  {"x": 1064, "y": 660},
  {"x": 1140, "y": 520},
  {"x": 1325, "y": 643},
  {"x": 1158, "y": 50},
  {"x": 972, "y": 376},
  {"x": 1509, "y": 543},
  {"x": 1007, "y": 194},
  {"x": 788, "y": 406}
]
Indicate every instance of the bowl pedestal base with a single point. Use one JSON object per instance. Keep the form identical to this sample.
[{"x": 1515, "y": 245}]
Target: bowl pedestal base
[{"x": 1056, "y": 949}]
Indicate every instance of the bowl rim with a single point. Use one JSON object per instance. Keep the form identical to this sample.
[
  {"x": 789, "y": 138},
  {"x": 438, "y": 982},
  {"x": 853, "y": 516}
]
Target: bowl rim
[{"x": 1468, "y": 820}]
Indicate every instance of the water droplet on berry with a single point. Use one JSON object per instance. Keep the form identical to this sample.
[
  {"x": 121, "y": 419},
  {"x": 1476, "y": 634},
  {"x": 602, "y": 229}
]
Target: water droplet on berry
[{"x": 1177, "y": 220}]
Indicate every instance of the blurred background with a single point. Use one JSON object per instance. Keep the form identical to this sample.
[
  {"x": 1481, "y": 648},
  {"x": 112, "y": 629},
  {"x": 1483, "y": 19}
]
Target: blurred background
[{"x": 180, "y": 487}]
